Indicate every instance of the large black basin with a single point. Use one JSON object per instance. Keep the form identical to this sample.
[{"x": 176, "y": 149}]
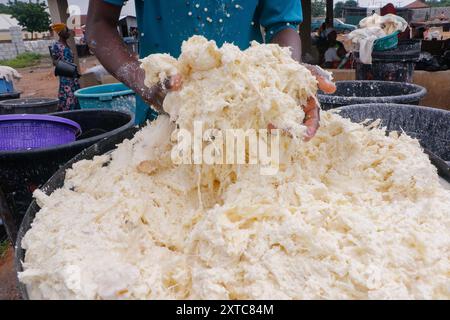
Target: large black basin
[
  {"x": 363, "y": 92},
  {"x": 430, "y": 126},
  {"x": 57, "y": 181},
  {"x": 9, "y": 95},
  {"x": 421, "y": 122},
  {"x": 29, "y": 105},
  {"x": 21, "y": 172}
]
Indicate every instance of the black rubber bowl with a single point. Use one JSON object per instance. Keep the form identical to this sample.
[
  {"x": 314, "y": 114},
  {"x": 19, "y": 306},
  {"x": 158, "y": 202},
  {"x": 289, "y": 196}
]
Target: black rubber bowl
[
  {"x": 29, "y": 106},
  {"x": 9, "y": 95},
  {"x": 394, "y": 116},
  {"x": 57, "y": 181},
  {"x": 23, "y": 171},
  {"x": 430, "y": 126},
  {"x": 364, "y": 92}
]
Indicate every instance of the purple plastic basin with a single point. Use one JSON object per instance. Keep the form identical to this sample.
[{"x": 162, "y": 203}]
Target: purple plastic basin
[{"x": 32, "y": 131}]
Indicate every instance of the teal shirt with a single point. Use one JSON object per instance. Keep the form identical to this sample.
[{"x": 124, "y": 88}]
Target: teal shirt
[{"x": 165, "y": 24}]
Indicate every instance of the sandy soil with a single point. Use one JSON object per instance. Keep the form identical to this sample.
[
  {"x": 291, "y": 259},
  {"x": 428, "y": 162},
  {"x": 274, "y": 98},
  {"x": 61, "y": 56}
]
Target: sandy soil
[
  {"x": 8, "y": 282},
  {"x": 40, "y": 81}
]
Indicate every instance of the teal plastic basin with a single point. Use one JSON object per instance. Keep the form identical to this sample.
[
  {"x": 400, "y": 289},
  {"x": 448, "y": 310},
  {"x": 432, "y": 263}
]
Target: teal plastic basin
[
  {"x": 386, "y": 43},
  {"x": 114, "y": 96}
]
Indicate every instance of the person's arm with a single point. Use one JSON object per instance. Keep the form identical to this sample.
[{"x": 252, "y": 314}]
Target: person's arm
[
  {"x": 105, "y": 42},
  {"x": 280, "y": 19},
  {"x": 289, "y": 38}
]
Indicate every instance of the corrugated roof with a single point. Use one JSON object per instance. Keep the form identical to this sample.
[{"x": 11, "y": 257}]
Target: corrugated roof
[
  {"x": 417, "y": 5},
  {"x": 7, "y": 21}
]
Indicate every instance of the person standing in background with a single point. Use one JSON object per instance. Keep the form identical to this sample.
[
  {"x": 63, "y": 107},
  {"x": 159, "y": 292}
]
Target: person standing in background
[
  {"x": 335, "y": 50},
  {"x": 67, "y": 86}
]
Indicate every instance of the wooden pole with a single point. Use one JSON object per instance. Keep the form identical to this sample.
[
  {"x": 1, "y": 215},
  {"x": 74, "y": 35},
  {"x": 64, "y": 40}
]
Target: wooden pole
[
  {"x": 330, "y": 11},
  {"x": 59, "y": 13},
  {"x": 305, "y": 27}
]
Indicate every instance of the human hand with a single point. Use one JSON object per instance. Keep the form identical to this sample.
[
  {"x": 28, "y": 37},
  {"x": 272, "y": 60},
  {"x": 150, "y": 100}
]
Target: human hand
[
  {"x": 156, "y": 94},
  {"x": 312, "y": 110}
]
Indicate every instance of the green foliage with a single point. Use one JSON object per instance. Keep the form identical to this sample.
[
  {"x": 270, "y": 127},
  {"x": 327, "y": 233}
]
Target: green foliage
[
  {"x": 318, "y": 8},
  {"x": 31, "y": 16},
  {"x": 23, "y": 60},
  {"x": 4, "y": 9},
  {"x": 339, "y": 9},
  {"x": 4, "y": 245},
  {"x": 351, "y": 3},
  {"x": 435, "y": 3}
]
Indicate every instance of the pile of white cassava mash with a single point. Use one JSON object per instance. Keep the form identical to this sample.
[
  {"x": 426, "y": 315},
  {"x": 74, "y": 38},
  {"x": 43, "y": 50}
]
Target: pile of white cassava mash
[{"x": 352, "y": 214}]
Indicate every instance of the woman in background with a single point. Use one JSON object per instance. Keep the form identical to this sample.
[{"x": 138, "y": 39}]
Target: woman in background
[
  {"x": 67, "y": 86},
  {"x": 335, "y": 52}
]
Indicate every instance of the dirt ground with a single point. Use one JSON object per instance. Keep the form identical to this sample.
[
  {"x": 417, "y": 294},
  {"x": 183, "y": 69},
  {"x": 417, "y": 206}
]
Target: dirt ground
[
  {"x": 40, "y": 81},
  {"x": 8, "y": 282}
]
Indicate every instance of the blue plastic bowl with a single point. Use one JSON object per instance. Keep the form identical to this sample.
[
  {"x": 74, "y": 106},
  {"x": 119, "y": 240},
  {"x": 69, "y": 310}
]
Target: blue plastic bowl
[
  {"x": 114, "y": 96},
  {"x": 6, "y": 86},
  {"x": 388, "y": 42}
]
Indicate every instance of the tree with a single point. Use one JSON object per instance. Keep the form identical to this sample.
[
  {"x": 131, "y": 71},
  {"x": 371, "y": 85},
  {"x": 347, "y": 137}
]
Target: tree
[
  {"x": 339, "y": 7},
  {"x": 318, "y": 8},
  {"x": 351, "y": 3},
  {"x": 31, "y": 16},
  {"x": 4, "y": 9},
  {"x": 435, "y": 3}
]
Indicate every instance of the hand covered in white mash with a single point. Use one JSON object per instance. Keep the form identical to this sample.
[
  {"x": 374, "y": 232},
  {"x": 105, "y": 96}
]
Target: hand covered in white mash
[
  {"x": 161, "y": 78},
  {"x": 260, "y": 87},
  {"x": 156, "y": 94},
  {"x": 312, "y": 110}
]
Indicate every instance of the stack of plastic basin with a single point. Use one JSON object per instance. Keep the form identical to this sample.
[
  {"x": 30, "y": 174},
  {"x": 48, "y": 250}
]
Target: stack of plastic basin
[
  {"x": 363, "y": 92},
  {"x": 29, "y": 106}
]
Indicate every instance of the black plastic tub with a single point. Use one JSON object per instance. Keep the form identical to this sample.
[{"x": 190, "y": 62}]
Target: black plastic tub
[
  {"x": 29, "y": 105},
  {"x": 392, "y": 65},
  {"x": 364, "y": 92},
  {"x": 21, "y": 172},
  {"x": 430, "y": 126},
  {"x": 57, "y": 181},
  {"x": 9, "y": 95}
]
